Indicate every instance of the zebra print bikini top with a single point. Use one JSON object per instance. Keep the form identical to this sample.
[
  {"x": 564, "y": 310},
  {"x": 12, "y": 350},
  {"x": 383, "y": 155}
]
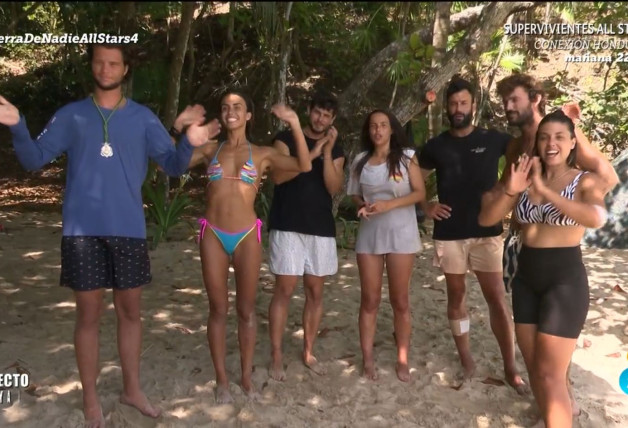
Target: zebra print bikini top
[{"x": 526, "y": 212}]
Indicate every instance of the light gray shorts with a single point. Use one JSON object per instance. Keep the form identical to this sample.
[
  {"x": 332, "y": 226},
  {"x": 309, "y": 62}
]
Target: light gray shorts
[{"x": 293, "y": 253}]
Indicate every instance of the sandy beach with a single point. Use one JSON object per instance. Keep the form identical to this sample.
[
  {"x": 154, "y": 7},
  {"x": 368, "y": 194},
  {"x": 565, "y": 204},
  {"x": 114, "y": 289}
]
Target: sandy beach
[{"x": 37, "y": 322}]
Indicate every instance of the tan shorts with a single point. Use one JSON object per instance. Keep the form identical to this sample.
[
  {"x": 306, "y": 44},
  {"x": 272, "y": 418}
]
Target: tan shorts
[{"x": 476, "y": 254}]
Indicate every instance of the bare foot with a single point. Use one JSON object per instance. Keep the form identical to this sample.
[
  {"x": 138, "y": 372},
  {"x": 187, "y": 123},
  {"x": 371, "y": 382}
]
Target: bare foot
[
  {"x": 369, "y": 371},
  {"x": 517, "y": 383},
  {"x": 141, "y": 403},
  {"x": 276, "y": 371},
  {"x": 403, "y": 372},
  {"x": 223, "y": 396},
  {"x": 250, "y": 391},
  {"x": 312, "y": 363},
  {"x": 468, "y": 370},
  {"x": 94, "y": 418}
]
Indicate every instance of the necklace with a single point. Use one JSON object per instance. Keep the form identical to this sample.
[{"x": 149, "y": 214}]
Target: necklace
[
  {"x": 556, "y": 178},
  {"x": 106, "y": 151}
]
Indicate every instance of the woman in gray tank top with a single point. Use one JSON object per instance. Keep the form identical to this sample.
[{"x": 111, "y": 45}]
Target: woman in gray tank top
[{"x": 385, "y": 183}]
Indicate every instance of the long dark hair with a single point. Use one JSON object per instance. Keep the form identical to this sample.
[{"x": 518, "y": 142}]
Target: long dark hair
[
  {"x": 398, "y": 142},
  {"x": 558, "y": 116},
  {"x": 250, "y": 108}
]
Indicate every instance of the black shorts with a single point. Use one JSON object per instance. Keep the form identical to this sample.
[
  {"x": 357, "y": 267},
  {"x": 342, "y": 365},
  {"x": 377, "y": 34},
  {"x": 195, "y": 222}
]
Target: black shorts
[
  {"x": 551, "y": 289},
  {"x": 93, "y": 262}
]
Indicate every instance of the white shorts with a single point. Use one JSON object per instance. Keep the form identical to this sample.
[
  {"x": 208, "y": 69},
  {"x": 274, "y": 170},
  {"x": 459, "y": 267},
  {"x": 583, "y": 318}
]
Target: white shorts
[{"x": 293, "y": 253}]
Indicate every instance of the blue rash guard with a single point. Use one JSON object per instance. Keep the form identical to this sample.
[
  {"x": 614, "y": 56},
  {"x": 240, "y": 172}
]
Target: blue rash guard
[{"x": 103, "y": 195}]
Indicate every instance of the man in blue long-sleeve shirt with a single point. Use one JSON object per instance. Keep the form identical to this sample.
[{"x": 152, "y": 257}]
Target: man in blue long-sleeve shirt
[{"x": 108, "y": 139}]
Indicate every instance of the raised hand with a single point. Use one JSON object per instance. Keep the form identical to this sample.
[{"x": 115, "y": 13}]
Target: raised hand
[
  {"x": 537, "y": 183},
  {"x": 213, "y": 128},
  {"x": 518, "y": 180},
  {"x": 285, "y": 113},
  {"x": 318, "y": 147},
  {"x": 9, "y": 114},
  {"x": 191, "y": 114},
  {"x": 572, "y": 110},
  {"x": 438, "y": 211},
  {"x": 332, "y": 135},
  {"x": 199, "y": 135}
]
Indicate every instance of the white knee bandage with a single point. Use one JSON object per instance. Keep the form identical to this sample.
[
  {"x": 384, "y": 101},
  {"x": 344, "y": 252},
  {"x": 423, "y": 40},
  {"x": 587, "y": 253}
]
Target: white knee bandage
[{"x": 459, "y": 327}]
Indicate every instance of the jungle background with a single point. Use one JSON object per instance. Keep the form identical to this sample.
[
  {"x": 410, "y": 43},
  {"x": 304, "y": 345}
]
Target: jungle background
[{"x": 370, "y": 54}]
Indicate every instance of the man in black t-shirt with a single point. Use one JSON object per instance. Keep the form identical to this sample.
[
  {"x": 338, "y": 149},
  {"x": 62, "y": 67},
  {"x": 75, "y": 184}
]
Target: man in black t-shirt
[
  {"x": 466, "y": 160},
  {"x": 302, "y": 229}
]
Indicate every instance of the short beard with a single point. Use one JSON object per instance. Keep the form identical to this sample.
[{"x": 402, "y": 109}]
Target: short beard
[
  {"x": 111, "y": 87},
  {"x": 466, "y": 121},
  {"x": 523, "y": 119},
  {"x": 323, "y": 132}
]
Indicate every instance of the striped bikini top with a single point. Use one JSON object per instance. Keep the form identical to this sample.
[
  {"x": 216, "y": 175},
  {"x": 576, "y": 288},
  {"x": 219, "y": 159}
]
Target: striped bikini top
[
  {"x": 248, "y": 173},
  {"x": 526, "y": 212}
]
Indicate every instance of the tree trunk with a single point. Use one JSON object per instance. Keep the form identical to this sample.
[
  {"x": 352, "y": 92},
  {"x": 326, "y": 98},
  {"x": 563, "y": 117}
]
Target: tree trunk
[
  {"x": 303, "y": 69},
  {"x": 492, "y": 73},
  {"x": 191, "y": 50},
  {"x": 405, "y": 7},
  {"x": 352, "y": 97},
  {"x": 126, "y": 24},
  {"x": 231, "y": 27},
  {"x": 68, "y": 17},
  {"x": 286, "y": 44},
  {"x": 174, "y": 80},
  {"x": 176, "y": 66},
  {"x": 472, "y": 45},
  {"x": 441, "y": 33},
  {"x": 17, "y": 17}
]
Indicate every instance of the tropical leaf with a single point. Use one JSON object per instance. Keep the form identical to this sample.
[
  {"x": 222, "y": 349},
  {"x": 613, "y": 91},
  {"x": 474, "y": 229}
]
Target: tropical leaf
[{"x": 512, "y": 62}]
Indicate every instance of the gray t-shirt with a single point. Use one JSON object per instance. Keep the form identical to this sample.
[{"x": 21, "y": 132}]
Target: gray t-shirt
[{"x": 395, "y": 231}]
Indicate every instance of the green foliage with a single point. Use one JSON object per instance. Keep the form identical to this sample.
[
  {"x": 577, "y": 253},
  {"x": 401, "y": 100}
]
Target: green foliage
[
  {"x": 346, "y": 239},
  {"x": 566, "y": 11},
  {"x": 148, "y": 83},
  {"x": 267, "y": 18},
  {"x": 500, "y": 167},
  {"x": 307, "y": 17},
  {"x": 604, "y": 116},
  {"x": 378, "y": 30},
  {"x": 163, "y": 214},
  {"x": 410, "y": 63},
  {"x": 511, "y": 60},
  {"x": 158, "y": 10},
  {"x": 263, "y": 203}
]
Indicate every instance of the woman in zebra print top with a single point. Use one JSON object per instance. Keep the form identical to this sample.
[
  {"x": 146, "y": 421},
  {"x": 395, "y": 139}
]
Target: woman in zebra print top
[{"x": 555, "y": 203}]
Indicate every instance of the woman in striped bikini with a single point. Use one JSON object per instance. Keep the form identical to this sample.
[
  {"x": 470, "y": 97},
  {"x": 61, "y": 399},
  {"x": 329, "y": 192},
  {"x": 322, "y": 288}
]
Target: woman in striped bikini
[
  {"x": 554, "y": 202},
  {"x": 235, "y": 168}
]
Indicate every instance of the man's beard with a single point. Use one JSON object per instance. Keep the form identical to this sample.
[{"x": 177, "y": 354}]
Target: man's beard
[
  {"x": 109, "y": 87},
  {"x": 317, "y": 132},
  {"x": 521, "y": 118},
  {"x": 466, "y": 121}
]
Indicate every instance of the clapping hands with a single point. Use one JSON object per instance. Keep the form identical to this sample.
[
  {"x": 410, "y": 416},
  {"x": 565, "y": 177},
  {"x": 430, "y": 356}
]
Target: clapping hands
[
  {"x": 202, "y": 134},
  {"x": 9, "y": 114}
]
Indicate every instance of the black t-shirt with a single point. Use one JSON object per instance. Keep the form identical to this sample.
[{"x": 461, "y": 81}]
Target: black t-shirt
[
  {"x": 303, "y": 204},
  {"x": 465, "y": 168}
]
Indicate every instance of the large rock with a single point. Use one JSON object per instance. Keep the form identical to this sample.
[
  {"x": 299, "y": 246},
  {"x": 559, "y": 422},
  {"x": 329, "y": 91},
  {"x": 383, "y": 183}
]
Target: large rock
[{"x": 614, "y": 234}]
